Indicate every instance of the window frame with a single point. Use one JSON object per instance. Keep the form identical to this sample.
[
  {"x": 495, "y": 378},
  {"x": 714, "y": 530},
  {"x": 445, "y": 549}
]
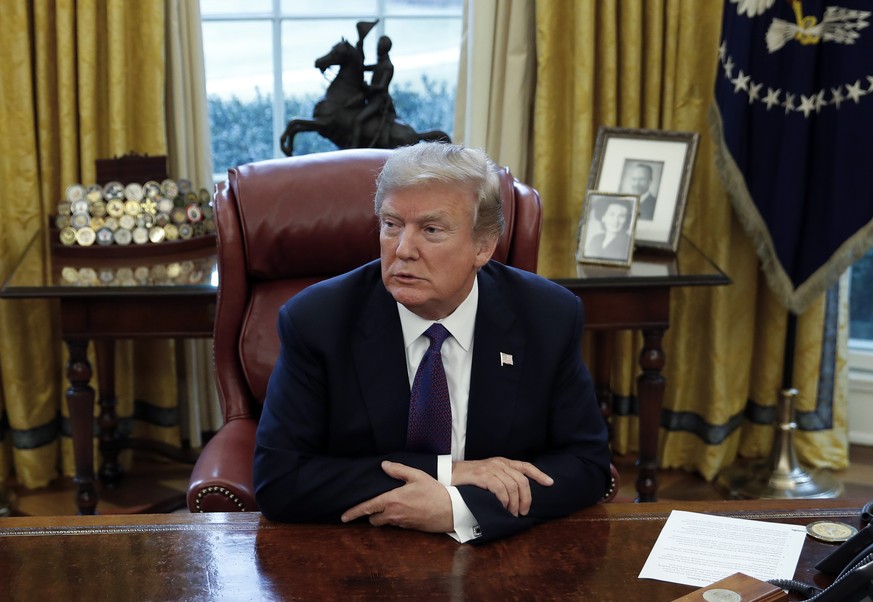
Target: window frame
[
  {"x": 860, "y": 388},
  {"x": 860, "y": 391},
  {"x": 276, "y": 17}
]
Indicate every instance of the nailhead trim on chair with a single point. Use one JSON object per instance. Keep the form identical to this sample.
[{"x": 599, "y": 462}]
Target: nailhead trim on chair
[
  {"x": 221, "y": 491},
  {"x": 609, "y": 491}
]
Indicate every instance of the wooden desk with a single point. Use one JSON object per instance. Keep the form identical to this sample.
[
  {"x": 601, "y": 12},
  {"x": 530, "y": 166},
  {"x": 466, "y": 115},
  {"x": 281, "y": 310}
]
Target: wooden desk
[
  {"x": 636, "y": 298},
  {"x": 108, "y": 296},
  {"x": 596, "y": 554}
]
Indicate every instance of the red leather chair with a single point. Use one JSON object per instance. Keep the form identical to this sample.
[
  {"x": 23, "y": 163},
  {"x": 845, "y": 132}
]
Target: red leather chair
[{"x": 282, "y": 225}]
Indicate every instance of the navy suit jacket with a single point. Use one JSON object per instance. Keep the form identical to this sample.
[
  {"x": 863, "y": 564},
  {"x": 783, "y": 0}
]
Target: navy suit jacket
[{"x": 337, "y": 401}]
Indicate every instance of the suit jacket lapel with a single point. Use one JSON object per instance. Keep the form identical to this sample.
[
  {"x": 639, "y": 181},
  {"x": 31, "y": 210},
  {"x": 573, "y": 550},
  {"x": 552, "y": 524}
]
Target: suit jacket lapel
[
  {"x": 493, "y": 387},
  {"x": 381, "y": 364}
]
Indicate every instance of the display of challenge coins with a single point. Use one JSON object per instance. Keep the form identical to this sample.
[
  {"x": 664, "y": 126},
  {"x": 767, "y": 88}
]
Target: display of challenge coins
[
  {"x": 137, "y": 214},
  {"x": 178, "y": 272}
]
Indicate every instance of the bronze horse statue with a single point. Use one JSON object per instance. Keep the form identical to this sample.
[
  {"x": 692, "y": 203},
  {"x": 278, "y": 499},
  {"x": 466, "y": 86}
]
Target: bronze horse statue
[{"x": 334, "y": 115}]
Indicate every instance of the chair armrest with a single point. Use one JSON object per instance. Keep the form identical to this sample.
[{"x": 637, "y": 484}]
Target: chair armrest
[{"x": 221, "y": 480}]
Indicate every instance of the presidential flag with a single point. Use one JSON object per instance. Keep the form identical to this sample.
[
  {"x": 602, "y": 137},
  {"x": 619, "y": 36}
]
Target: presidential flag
[{"x": 794, "y": 123}]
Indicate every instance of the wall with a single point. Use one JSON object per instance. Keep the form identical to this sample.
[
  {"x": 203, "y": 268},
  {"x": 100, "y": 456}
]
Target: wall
[{"x": 860, "y": 397}]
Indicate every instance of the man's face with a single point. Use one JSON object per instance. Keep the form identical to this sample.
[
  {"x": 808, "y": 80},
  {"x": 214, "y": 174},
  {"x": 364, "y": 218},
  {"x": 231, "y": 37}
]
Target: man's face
[
  {"x": 640, "y": 180},
  {"x": 429, "y": 256}
]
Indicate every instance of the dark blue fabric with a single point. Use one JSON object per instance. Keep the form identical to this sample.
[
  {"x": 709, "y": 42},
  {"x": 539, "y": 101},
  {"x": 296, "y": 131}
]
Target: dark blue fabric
[
  {"x": 337, "y": 403},
  {"x": 806, "y": 163}
]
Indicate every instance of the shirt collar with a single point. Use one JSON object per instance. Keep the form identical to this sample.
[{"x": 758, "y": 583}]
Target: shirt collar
[{"x": 460, "y": 323}]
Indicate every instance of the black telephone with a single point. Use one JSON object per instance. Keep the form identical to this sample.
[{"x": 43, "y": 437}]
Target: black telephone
[{"x": 851, "y": 562}]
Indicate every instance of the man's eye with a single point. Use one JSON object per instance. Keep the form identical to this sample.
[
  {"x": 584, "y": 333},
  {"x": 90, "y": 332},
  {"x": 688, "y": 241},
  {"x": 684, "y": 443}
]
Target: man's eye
[{"x": 432, "y": 230}]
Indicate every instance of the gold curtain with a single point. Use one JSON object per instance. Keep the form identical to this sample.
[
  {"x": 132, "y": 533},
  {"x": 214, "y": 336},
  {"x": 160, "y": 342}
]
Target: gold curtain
[
  {"x": 190, "y": 155},
  {"x": 496, "y": 82},
  {"x": 652, "y": 64},
  {"x": 81, "y": 81}
]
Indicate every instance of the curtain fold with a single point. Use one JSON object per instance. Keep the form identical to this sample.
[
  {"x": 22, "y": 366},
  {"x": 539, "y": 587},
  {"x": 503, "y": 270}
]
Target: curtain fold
[
  {"x": 652, "y": 64},
  {"x": 27, "y": 370},
  {"x": 496, "y": 81},
  {"x": 190, "y": 156},
  {"x": 81, "y": 81}
]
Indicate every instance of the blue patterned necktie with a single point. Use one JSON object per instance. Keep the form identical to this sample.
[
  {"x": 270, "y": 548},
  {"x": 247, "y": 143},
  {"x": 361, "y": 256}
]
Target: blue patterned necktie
[{"x": 430, "y": 412}]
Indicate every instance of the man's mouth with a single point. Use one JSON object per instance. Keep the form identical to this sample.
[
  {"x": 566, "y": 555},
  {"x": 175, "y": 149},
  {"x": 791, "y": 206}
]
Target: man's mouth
[{"x": 406, "y": 277}]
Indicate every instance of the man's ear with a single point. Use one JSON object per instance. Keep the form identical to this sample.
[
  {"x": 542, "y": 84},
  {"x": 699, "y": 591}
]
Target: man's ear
[{"x": 485, "y": 249}]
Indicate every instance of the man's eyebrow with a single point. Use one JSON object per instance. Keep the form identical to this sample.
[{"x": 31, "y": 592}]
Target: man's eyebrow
[{"x": 436, "y": 216}]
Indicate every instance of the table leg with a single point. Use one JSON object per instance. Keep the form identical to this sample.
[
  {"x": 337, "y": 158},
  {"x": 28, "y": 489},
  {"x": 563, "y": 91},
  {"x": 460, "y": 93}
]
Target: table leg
[
  {"x": 650, "y": 391},
  {"x": 110, "y": 470},
  {"x": 80, "y": 400}
]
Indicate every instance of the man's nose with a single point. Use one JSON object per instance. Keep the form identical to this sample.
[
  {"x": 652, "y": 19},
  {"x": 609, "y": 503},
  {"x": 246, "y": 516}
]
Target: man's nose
[{"x": 407, "y": 247}]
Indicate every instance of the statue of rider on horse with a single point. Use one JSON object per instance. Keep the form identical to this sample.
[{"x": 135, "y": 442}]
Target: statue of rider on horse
[{"x": 352, "y": 113}]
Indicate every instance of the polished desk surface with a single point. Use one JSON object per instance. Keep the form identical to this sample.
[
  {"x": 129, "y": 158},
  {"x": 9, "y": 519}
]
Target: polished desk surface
[{"x": 596, "y": 554}]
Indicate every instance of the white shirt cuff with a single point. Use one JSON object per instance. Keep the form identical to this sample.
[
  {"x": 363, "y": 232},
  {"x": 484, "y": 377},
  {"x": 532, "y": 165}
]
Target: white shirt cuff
[
  {"x": 444, "y": 469},
  {"x": 466, "y": 526}
]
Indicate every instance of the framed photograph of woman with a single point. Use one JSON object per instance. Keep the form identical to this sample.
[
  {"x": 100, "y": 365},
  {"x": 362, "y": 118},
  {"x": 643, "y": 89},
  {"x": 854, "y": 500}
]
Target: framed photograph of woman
[
  {"x": 606, "y": 229},
  {"x": 657, "y": 166}
]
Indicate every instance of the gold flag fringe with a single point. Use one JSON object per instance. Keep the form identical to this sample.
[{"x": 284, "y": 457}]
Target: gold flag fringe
[{"x": 797, "y": 299}]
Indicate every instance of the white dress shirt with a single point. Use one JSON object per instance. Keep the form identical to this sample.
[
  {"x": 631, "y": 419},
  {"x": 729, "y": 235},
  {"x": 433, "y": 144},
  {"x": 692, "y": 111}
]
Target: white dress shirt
[{"x": 457, "y": 354}]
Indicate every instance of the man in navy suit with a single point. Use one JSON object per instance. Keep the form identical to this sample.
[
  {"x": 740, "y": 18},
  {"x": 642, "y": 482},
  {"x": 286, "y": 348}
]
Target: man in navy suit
[{"x": 528, "y": 442}]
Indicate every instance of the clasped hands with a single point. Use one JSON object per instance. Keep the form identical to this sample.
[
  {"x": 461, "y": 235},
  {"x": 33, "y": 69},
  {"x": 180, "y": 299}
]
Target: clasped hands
[{"x": 423, "y": 503}]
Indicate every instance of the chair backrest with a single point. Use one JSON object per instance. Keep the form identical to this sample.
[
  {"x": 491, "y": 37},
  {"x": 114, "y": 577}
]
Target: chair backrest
[{"x": 285, "y": 224}]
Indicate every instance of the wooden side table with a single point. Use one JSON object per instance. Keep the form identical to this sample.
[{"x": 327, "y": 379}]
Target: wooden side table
[
  {"x": 108, "y": 296},
  {"x": 637, "y": 298}
]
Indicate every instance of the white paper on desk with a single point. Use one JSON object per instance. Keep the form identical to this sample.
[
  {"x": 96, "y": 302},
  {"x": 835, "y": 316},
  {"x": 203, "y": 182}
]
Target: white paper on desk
[{"x": 700, "y": 549}]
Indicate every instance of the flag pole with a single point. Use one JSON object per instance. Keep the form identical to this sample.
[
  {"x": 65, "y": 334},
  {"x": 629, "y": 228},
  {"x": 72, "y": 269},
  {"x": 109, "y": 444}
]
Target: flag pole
[{"x": 780, "y": 476}]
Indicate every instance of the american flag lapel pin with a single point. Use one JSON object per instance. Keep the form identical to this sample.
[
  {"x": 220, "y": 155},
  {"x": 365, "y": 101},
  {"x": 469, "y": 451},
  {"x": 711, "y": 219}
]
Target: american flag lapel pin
[{"x": 505, "y": 359}]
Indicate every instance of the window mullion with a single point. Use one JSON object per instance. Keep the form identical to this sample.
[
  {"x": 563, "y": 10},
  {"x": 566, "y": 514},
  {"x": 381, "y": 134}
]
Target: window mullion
[{"x": 278, "y": 94}]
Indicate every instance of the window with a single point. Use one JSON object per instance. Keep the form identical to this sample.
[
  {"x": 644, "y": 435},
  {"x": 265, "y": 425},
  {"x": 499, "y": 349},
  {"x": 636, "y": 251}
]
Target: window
[
  {"x": 861, "y": 302},
  {"x": 861, "y": 316},
  {"x": 260, "y": 66},
  {"x": 861, "y": 351}
]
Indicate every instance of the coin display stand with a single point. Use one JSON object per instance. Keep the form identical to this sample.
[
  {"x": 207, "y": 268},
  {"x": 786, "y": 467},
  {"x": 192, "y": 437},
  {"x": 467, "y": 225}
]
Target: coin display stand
[
  {"x": 132, "y": 167},
  {"x": 135, "y": 219}
]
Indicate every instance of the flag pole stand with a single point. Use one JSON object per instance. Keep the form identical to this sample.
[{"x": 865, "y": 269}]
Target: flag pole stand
[{"x": 780, "y": 476}]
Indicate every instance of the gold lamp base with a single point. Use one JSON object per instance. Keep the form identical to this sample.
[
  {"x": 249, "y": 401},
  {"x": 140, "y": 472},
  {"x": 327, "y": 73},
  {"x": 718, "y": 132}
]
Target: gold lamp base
[
  {"x": 7, "y": 501},
  {"x": 781, "y": 476}
]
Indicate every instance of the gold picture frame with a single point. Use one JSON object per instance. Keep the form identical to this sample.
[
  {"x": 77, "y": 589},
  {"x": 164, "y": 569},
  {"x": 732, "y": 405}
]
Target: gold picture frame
[
  {"x": 607, "y": 227},
  {"x": 657, "y": 166}
]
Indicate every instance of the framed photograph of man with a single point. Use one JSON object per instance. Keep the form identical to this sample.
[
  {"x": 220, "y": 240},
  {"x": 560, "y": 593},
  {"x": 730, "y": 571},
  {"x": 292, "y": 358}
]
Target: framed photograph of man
[
  {"x": 606, "y": 228},
  {"x": 656, "y": 165}
]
